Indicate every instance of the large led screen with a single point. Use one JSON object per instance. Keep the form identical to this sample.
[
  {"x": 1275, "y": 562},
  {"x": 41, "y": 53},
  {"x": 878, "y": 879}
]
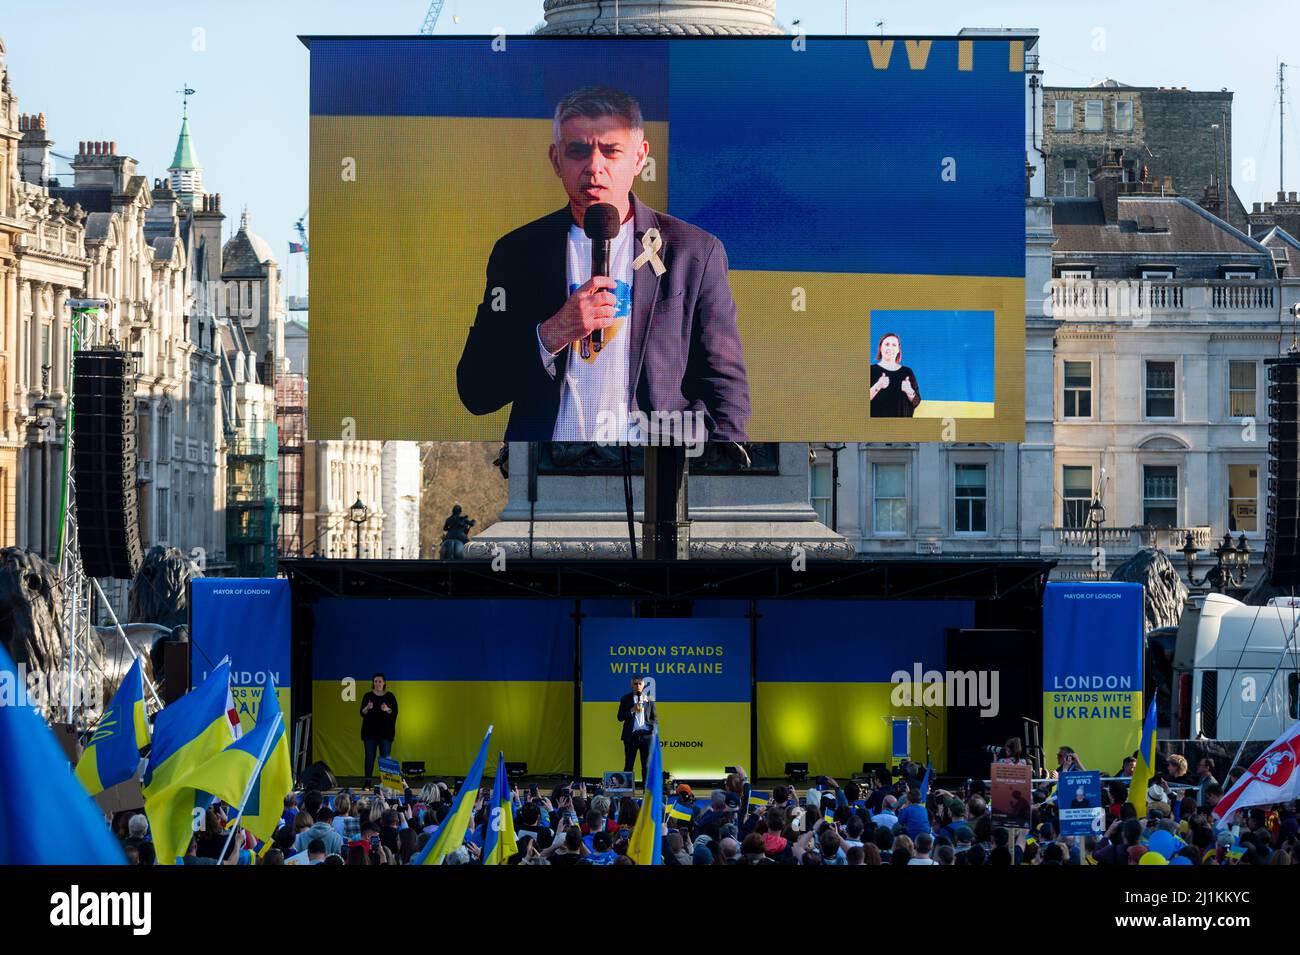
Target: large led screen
[{"x": 792, "y": 238}]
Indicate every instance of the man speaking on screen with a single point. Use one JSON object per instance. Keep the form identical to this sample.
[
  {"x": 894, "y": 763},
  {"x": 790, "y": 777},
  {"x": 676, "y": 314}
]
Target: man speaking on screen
[{"x": 650, "y": 345}]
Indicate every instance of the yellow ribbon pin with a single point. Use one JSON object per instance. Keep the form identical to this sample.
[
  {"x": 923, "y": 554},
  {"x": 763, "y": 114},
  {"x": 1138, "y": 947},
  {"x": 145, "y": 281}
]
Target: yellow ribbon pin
[{"x": 651, "y": 243}]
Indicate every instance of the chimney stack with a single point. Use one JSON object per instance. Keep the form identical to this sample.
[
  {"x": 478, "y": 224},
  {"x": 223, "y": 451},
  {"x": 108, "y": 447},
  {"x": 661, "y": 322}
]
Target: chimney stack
[
  {"x": 35, "y": 163},
  {"x": 1106, "y": 183}
]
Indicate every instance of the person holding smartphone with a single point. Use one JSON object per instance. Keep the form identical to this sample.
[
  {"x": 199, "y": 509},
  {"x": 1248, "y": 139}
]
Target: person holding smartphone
[
  {"x": 1067, "y": 761},
  {"x": 378, "y": 722}
]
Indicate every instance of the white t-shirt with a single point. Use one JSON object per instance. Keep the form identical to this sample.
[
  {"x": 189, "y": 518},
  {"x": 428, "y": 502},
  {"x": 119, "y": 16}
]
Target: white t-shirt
[{"x": 593, "y": 403}]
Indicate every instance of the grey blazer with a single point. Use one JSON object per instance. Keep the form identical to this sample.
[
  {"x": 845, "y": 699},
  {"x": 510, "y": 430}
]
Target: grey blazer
[{"x": 684, "y": 354}]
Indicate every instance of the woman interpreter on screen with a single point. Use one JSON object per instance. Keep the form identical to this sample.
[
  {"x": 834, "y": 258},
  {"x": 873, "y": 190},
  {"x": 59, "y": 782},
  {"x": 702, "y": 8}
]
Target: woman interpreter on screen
[
  {"x": 378, "y": 722},
  {"x": 894, "y": 391}
]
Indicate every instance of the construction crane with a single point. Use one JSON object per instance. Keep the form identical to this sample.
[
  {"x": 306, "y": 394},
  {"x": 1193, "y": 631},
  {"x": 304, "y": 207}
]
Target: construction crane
[
  {"x": 301, "y": 227},
  {"x": 431, "y": 18}
]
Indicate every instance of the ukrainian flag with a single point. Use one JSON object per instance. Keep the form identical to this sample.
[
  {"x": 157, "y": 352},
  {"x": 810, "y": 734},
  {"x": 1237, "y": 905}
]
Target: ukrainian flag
[
  {"x": 450, "y": 836},
  {"x": 113, "y": 754},
  {"x": 253, "y": 772},
  {"x": 1142, "y": 773},
  {"x": 45, "y": 817},
  {"x": 757, "y": 798},
  {"x": 643, "y": 846},
  {"x": 678, "y": 811},
  {"x": 499, "y": 845},
  {"x": 191, "y": 731}
]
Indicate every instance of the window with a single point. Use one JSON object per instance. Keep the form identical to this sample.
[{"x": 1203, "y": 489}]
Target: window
[
  {"x": 821, "y": 491},
  {"x": 1076, "y": 495},
  {"x": 1163, "y": 275},
  {"x": 1076, "y": 273},
  {"x": 1078, "y": 389},
  {"x": 889, "y": 513},
  {"x": 1243, "y": 498},
  {"x": 1124, "y": 115},
  {"x": 1094, "y": 115},
  {"x": 1071, "y": 177},
  {"x": 1160, "y": 389},
  {"x": 1238, "y": 274},
  {"x": 1241, "y": 389},
  {"x": 971, "y": 499},
  {"x": 1160, "y": 495},
  {"x": 1065, "y": 114}
]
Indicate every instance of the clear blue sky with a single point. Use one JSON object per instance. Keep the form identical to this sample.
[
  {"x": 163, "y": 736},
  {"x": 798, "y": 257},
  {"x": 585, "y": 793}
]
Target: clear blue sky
[{"x": 101, "y": 70}]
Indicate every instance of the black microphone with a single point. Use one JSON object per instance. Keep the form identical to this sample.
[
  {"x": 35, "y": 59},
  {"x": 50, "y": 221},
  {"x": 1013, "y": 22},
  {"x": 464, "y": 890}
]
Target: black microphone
[{"x": 600, "y": 223}]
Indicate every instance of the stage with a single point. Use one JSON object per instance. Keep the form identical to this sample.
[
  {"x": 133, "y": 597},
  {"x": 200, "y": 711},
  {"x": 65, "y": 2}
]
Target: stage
[{"x": 803, "y": 660}]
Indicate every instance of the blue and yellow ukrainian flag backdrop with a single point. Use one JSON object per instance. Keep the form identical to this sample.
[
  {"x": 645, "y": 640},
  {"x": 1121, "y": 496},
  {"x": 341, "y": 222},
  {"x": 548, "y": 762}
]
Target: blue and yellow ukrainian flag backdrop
[
  {"x": 855, "y": 182},
  {"x": 824, "y": 693},
  {"x": 455, "y": 667},
  {"x": 1092, "y": 671}
]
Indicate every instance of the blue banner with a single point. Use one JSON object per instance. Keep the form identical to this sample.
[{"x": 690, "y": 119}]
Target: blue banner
[
  {"x": 1092, "y": 671},
  {"x": 247, "y": 620}
]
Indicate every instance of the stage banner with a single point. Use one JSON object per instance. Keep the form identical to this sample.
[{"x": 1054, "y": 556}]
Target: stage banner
[
  {"x": 248, "y": 620},
  {"x": 832, "y": 675},
  {"x": 1092, "y": 672},
  {"x": 455, "y": 666},
  {"x": 697, "y": 672}
]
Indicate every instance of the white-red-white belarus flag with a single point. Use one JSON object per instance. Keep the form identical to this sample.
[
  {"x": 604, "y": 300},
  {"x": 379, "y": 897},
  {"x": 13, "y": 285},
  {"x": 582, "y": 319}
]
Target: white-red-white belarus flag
[{"x": 1273, "y": 777}]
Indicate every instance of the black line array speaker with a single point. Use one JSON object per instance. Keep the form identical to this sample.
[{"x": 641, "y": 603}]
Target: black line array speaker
[
  {"x": 103, "y": 431},
  {"x": 1282, "y": 550}
]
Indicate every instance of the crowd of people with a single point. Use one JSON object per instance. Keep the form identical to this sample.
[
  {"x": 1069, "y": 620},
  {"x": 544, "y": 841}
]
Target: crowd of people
[{"x": 884, "y": 820}]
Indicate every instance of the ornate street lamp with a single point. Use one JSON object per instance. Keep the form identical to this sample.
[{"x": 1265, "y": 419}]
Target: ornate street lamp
[
  {"x": 358, "y": 514},
  {"x": 1096, "y": 517},
  {"x": 1231, "y": 565}
]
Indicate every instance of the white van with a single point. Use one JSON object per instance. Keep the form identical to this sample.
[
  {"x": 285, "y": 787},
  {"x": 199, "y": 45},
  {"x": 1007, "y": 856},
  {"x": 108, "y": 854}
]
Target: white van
[{"x": 1224, "y": 658}]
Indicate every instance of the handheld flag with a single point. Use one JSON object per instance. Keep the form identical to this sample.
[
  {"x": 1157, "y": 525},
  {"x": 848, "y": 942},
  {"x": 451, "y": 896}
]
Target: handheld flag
[
  {"x": 46, "y": 818},
  {"x": 1143, "y": 771},
  {"x": 450, "y": 836},
  {"x": 758, "y": 798},
  {"x": 925, "y": 782},
  {"x": 643, "y": 846},
  {"x": 254, "y": 772},
  {"x": 295, "y": 247},
  {"x": 678, "y": 811},
  {"x": 1271, "y": 778},
  {"x": 113, "y": 754},
  {"x": 191, "y": 731},
  {"x": 499, "y": 845}
]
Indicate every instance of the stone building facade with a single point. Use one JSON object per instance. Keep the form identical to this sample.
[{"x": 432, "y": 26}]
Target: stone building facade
[
  {"x": 10, "y": 229},
  {"x": 1145, "y": 389},
  {"x": 1171, "y": 129},
  {"x": 142, "y": 247}
]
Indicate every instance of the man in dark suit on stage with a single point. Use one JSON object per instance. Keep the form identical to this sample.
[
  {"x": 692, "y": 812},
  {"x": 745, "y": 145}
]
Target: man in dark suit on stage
[
  {"x": 636, "y": 711},
  {"x": 666, "y": 341}
]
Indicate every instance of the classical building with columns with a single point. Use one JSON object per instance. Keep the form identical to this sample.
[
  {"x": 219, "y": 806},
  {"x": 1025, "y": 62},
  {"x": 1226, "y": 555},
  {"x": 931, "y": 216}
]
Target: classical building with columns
[
  {"x": 142, "y": 248},
  {"x": 10, "y": 229},
  {"x": 52, "y": 267}
]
